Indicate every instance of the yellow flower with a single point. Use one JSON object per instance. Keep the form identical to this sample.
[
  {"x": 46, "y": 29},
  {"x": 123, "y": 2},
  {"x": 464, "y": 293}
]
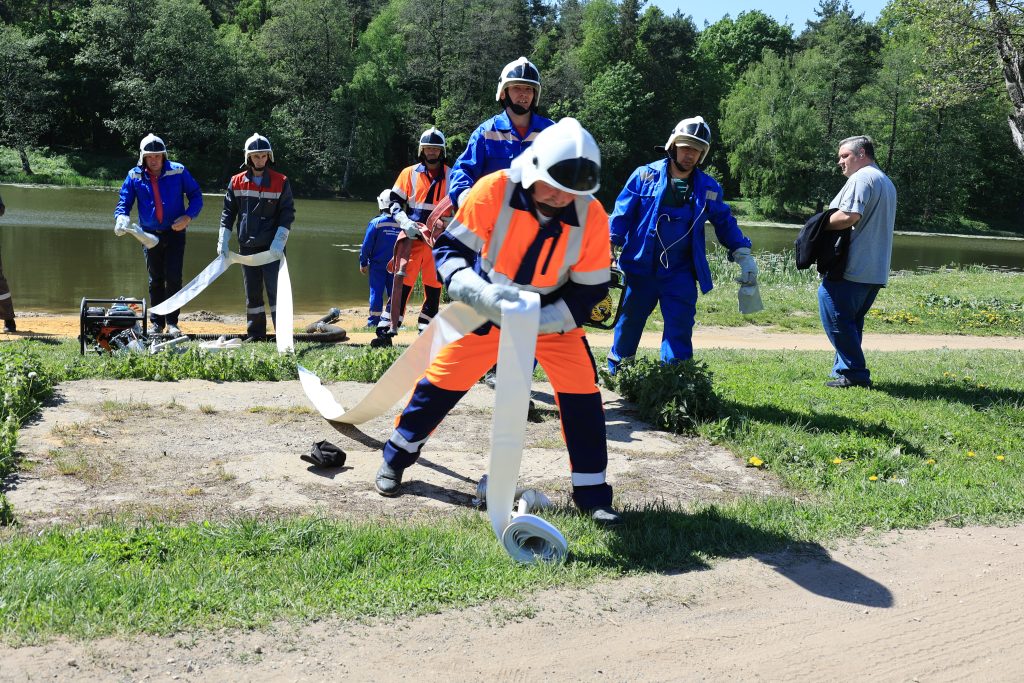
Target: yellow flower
[
  {"x": 836, "y": 461},
  {"x": 755, "y": 461},
  {"x": 929, "y": 461},
  {"x": 872, "y": 478},
  {"x": 1000, "y": 457},
  {"x": 970, "y": 454}
]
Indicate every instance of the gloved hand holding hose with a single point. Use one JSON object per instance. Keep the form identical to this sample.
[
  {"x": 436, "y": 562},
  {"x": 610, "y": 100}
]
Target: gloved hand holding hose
[
  {"x": 280, "y": 239},
  {"x": 223, "y": 241},
  {"x": 121, "y": 225},
  {"x": 411, "y": 229},
  {"x": 485, "y": 297}
]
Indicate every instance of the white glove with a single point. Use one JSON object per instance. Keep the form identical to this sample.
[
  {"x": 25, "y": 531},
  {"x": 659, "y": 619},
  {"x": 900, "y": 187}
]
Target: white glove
[
  {"x": 750, "y": 299},
  {"x": 556, "y": 317},
  {"x": 748, "y": 267},
  {"x": 280, "y": 239},
  {"x": 485, "y": 297},
  {"x": 411, "y": 228},
  {"x": 121, "y": 225},
  {"x": 223, "y": 241}
]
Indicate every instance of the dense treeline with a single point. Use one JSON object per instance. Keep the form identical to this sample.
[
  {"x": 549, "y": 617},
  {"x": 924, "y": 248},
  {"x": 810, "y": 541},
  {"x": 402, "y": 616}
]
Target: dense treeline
[{"x": 343, "y": 87}]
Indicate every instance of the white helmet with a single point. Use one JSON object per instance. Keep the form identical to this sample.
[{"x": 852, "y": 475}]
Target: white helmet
[
  {"x": 384, "y": 199},
  {"x": 693, "y": 132},
  {"x": 432, "y": 137},
  {"x": 564, "y": 156},
  {"x": 520, "y": 71},
  {"x": 257, "y": 143},
  {"x": 151, "y": 144}
]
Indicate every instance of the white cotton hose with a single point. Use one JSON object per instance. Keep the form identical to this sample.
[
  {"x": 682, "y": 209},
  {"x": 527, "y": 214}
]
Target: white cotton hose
[{"x": 148, "y": 239}]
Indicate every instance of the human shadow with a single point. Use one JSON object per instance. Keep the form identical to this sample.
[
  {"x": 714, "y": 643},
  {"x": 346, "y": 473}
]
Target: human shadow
[
  {"x": 668, "y": 541},
  {"x": 822, "y": 423},
  {"x": 424, "y": 489},
  {"x": 975, "y": 396}
]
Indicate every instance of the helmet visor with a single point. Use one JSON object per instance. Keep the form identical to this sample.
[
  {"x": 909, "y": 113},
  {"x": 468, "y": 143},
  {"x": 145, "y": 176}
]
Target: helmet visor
[
  {"x": 154, "y": 147},
  {"x": 697, "y": 130},
  {"x": 581, "y": 175}
]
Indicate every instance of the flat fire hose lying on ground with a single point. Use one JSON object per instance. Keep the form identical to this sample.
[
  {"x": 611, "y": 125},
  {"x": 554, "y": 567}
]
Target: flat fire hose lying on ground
[
  {"x": 284, "y": 313},
  {"x": 527, "y": 538}
]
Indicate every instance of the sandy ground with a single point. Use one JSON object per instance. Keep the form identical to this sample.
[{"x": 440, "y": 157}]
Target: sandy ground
[
  {"x": 934, "y": 605},
  {"x": 747, "y": 337}
]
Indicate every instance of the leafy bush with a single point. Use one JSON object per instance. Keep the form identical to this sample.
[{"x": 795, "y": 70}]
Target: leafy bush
[{"x": 673, "y": 396}]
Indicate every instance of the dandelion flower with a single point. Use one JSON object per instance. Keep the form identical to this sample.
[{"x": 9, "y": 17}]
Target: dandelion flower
[
  {"x": 1000, "y": 457},
  {"x": 755, "y": 461},
  {"x": 929, "y": 461},
  {"x": 872, "y": 478},
  {"x": 970, "y": 454},
  {"x": 836, "y": 461}
]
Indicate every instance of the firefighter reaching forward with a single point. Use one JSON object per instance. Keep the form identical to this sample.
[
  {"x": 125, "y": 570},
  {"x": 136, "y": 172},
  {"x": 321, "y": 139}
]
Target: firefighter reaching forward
[{"x": 535, "y": 227}]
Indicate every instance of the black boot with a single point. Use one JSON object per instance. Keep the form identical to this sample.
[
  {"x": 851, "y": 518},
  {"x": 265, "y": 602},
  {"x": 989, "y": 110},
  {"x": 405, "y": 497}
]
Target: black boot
[{"x": 388, "y": 481}]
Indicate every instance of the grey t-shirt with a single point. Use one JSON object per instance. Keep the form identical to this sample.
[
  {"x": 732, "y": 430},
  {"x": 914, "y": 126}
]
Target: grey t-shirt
[{"x": 870, "y": 193}]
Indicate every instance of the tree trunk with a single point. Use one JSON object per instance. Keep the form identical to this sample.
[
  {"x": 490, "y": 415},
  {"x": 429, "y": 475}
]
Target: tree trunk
[
  {"x": 24, "y": 161},
  {"x": 1010, "y": 58}
]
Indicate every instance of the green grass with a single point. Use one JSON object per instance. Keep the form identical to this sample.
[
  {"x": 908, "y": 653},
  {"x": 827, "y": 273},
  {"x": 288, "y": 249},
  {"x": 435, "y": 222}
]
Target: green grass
[
  {"x": 955, "y": 300},
  {"x": 68, "y": 167},
  {"x": 929, "y": 434}
]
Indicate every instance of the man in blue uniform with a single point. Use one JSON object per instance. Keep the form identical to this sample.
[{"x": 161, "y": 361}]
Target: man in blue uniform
[
  {"x": 377, "y": 250},
  {"x": 160, "y": 186},
  {"x": 658, "y": 222}
]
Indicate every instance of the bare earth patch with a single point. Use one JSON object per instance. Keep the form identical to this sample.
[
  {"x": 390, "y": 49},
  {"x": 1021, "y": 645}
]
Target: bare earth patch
[{"x": 195, "y": 450}]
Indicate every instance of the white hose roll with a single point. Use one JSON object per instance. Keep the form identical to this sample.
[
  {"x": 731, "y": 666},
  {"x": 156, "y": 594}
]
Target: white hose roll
[{"x": 528, "y": 539}]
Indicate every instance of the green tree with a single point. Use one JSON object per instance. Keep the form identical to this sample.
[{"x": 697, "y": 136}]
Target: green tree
[
  {"x": 25, "y": 95},
  {"x": 772, "y": 134}
]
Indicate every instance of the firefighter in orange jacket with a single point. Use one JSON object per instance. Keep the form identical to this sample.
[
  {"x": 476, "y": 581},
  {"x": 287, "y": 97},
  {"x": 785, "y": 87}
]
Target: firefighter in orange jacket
[
  {"x": 420, "y": 187},
  {"x": 535, "y": 227}
]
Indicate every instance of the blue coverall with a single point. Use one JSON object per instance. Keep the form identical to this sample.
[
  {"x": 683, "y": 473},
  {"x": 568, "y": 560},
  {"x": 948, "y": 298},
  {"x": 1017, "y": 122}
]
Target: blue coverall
[{"x": 377, "y": 250}]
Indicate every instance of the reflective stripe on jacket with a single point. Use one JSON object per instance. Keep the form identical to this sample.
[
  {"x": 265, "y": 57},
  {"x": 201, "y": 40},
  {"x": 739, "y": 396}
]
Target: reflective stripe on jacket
[
  {"x": 497, "y": 233},
  {"x": 175, "y": 183},
  {"x": 634, "y": 221},
  {"x": 416, "y": 187},
  {"x": 259, "y": 207},
  {"x": 491, "y": 147}
]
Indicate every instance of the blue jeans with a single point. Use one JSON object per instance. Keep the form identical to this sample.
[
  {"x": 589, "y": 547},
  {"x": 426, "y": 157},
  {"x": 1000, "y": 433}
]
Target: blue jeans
[{"x": 843, "y": 306}]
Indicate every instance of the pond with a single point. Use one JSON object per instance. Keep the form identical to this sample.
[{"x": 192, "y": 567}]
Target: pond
[{"x": 58, "y": 246}]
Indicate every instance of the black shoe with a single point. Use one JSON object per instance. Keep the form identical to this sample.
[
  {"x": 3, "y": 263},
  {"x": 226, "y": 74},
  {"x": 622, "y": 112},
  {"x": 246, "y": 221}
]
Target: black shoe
[
  {"x": 381, "y": 342},
  {"x": 605, "y": 516},
  {"x": 9, "y": 326},
  {"x": 491, "y": 378},
  {"x": 389, "y": 480},
  {"x": 844, "y": 382}
]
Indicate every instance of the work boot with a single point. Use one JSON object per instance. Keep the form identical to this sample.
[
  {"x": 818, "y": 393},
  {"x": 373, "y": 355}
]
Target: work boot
[
  {"x": 381, "y": 342},
  {"x": 844, "y": 382},
  {"x": 173, "y": 330},
  {"x": 491, "y": 378},
  {"x": 155, "y": 328},
  {"x": 605, "y": 516},
  {"x": 9, "y": 326},
  {"x": 389, "y": 480}
]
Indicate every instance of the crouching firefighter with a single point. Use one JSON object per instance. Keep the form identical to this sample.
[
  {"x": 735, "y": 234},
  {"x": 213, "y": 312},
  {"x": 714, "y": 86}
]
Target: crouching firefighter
[
  {"x": 261, "y": 199},
  {"x": 421, "y": 187},
  {"x": 534, "y": 227}
]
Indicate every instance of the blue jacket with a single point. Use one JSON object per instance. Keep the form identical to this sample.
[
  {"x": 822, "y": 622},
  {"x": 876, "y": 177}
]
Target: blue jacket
[
  {"x": 492, "y": 147},
  {"x": 379, "y": 242},
  {"x": 175, "y": 184},
  {"x": 635, "y": 218}
]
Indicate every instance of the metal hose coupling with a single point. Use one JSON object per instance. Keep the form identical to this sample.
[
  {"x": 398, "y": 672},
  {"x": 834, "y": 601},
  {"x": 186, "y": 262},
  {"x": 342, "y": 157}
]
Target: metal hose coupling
[{"x": 528, "y": 539}]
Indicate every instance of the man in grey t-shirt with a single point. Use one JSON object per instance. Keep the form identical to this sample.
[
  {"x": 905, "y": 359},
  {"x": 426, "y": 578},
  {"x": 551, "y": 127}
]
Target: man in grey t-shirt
[{"x": 867, "y": 203}]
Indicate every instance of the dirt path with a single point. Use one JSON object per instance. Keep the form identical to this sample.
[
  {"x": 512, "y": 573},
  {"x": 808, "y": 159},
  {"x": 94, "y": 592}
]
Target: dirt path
[
  {"x": 747, "y": 337},
  {"x": 935, "y": 605}
]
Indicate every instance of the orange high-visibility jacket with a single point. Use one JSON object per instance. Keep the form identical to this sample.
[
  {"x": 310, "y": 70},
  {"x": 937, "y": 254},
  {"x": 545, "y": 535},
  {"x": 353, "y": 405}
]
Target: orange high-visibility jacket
[
  {"x": 415, "y": 187},
  {"x": 497, "y": 233}
]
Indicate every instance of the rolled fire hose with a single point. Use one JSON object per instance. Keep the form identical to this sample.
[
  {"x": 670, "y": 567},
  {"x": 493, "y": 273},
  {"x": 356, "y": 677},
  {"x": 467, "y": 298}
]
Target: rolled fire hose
[{"x": 527, "y": 538}]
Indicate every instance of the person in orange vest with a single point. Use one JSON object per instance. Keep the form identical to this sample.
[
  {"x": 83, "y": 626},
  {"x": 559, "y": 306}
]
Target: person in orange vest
[
  {"x": 534, "y": 227},
  {"x": 420, "y": 188},
  {"x": 260, "y": 198}
]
